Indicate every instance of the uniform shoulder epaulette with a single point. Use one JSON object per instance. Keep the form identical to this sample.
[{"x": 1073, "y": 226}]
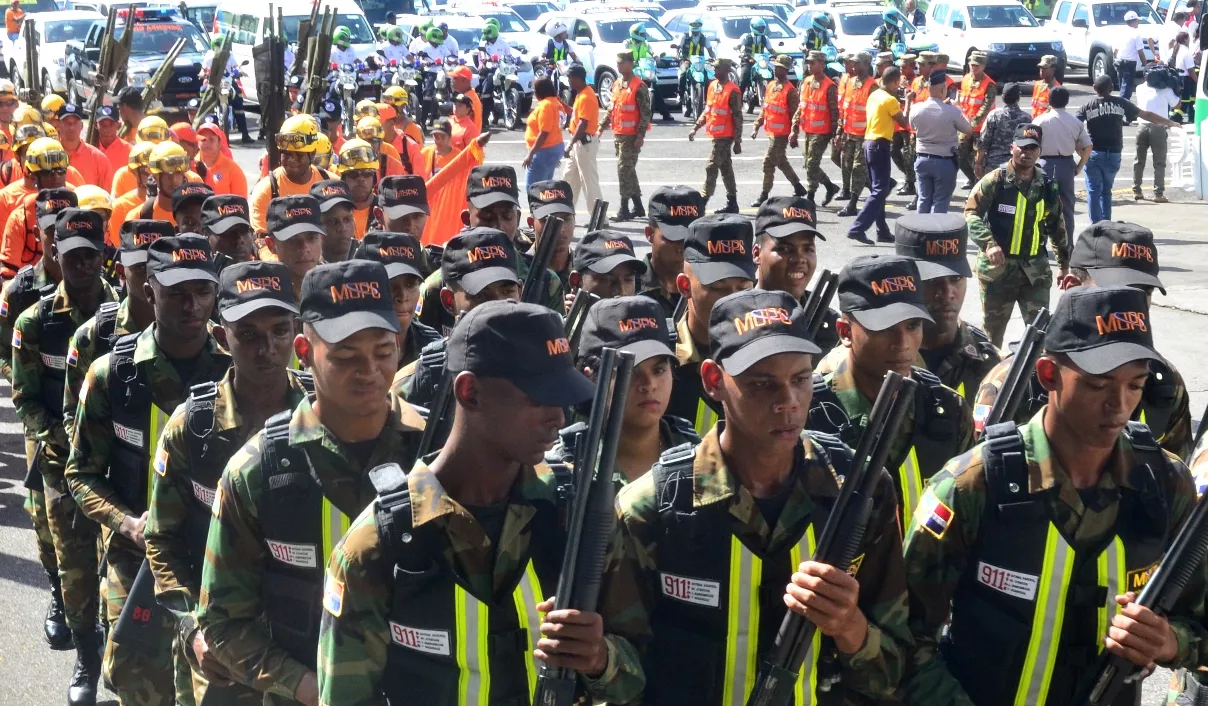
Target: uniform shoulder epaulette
[
  {"x": 401, "y": 544},
  {"x": 674, "y": 468},
  {"x": 305, "y": 379},
  {"x": 564, "y": 451},
  {"x": 683, "y": 427},
  {"x": 982, "y": 339},
  {"x": 199, "y": 416}
]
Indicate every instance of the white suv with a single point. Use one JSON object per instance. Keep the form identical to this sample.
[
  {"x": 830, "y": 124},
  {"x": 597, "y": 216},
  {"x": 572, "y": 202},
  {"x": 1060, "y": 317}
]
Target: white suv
[
  {"x": 1091, "y": 28},
  {"x": 1011, "y": 37}
]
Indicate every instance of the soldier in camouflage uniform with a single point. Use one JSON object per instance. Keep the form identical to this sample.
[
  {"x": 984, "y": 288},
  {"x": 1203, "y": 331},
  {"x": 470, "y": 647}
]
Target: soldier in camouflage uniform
[
  {"x": 778, "y": 121},
  {"x": 984, "y": 581},
  {"x": 958, "y": 353},
  {"x": 486, "y": 509},
  {"x": 290, "y": 493},
  {"x": 629, "y": 116},
  {"x": 851, "y": 140},
  {"x": 256, "y": 306},
  {"x": 881, "y": 328},
  {"x": 1014, "y": 271},
  {"x": 123, "y": 406},
  {"x": 494, "y": 202},
  {"x": 546, "y": 198},
  {"x": 819, "y": 130},
  {"x": 672, "y": 210},
  {"x": 753, "y": 525},
  {"x": 295, "y": 234},
  {"x": 722, "y": 119},
  {"x": 976, "y": 101},
  {"x": 400, "y": 253},
  {"x": 1114, "y": 253},
  {"x": 41, "y": 340}
]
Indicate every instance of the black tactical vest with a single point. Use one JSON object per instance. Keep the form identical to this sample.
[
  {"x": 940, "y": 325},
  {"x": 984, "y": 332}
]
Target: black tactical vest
[
  {"x": 54, "y": 338},
  {"x": 133, "y": 438},
  {"x": 106, "y": 328},
  {"x": 23, "y": 293},
  {"x": 1015, "y": 222}
]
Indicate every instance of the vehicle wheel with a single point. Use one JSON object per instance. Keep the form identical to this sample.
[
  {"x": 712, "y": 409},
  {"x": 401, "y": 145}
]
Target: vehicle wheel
[
  {"x": 511, "y": 107},
  {"x": 73, "y": 93},
  {"x": 1099, "y": 65},
  {"x": 604, "y": 82},
  {"x": 698, "y": 99},
  {"x": 48, "y": 87}
]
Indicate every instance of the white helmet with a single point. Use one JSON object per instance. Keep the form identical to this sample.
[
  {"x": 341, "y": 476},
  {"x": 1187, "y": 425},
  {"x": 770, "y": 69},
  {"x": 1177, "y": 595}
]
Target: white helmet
[{"x": 557, "y": 28}]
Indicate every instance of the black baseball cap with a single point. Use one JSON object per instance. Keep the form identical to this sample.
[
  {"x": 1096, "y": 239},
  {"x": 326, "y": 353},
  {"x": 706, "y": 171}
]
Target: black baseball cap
[
  {"x": 180, "y": 258},
  {"x": 330, "y": 193},
  {"x": 290, "y": 215},
  {"x": 189, "y": 192},
  {"x": 674, "y": 208},
  {"x": 634, "y": 324},
  {"x": 478, "y": 257},
  {"x": 399, "y": 252},
  {"x": 782, "y": 216},
  {"x": 602, "y": 251},
  {"x": 49, "y": 202},
  {"x": 78, "y": 228},
  {"x": 403, "y": 195},
  {"x": 71, "y": 109},
  {"x": 1102, "y": 328},
  {"x": 341, "y": 298},
  {"x": 222, "y": 213},
  {"x": 523, "y": 344},
  {"x": 139, "y": 233},
  {"x": 1027, "y": 135},
  {"x": 719, "y": 246},
  {"x": 244, "y": 287},
  {"x": 546, "y": 198},
  {"x": 1118, "y": 253},
  {"x": 746, "y": 327},
  {"x": 106, "y": 112},
  {"x": 881, "y": 291},
  {"x": 492, "y": 184},
  {"x": 935, "y": 241}
]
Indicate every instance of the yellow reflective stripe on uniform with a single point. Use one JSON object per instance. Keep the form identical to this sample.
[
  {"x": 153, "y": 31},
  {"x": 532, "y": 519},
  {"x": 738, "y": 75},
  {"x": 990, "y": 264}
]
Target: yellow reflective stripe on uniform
[
  {"x": 705, "y": 418},
  {"x": 1047, "y": 620},
  {"x": 807, "y": 682},
  {"x": 1017, "y": 226},
  {"x": 526, "y": 596},
  {"x": 911, "y": 481},
  {"x": 1111, "y": 566},
  {"x": 960, "y": 389},
  {"x": 742, "y": 624},
  {"x": 1035, "y": 249},
  {"x": 472, "y": 620},
  {"x": 335, "y": 526},
  {"x": 1142, "y": 417},
  {"x": 155, "y": 426}
]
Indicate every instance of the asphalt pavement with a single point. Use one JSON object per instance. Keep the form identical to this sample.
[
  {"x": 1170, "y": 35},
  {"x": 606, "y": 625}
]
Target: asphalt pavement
[{"x": 31, "y": 674}]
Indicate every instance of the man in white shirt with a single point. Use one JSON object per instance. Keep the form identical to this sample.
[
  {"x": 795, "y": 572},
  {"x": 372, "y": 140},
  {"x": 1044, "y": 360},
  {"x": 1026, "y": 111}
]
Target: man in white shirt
[
  {"x": 1128, "y": 55},
  {"x": 1155, "y": 96}
]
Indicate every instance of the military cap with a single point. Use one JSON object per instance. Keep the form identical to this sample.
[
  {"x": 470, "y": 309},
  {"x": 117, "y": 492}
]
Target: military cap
[
  {"x": 881, "y": 291},
  {"x": 77, "y": 228},
  {"x": 602, "y": 251},
  {"x": 490, "y": 184},
  {"x": 290, "y": 215},
  {"x": 634, "y": 324},
  {"x": 223, "y": 212},
  {"x": 340, "y": 299},
  {"x": 935, "y": 241},
  {"x": 478, "y": 257},
  {"x": 137, "y": 235},
  {"x": 674, "y": 208},
  {"x": 864, "y": 57},
  {"x": 848, "y": 55},
  {"x": 719, "y": 247},
  {"x": 907, "y": 59},
  {"x": 784, "y": 60},
  {"x": 625, "y": 56},
  {"x": 977, "y": 58},
  {"x": 1047, "y": 60},
  {"x": 1028, "y": 135},
  {"x": 400, "y": 196},
  {"x": 1117, "y": 253},
  {"x": 885, "y": 57},
  {"x": 174, "y": 259},
  {"x": 815, "y": 55},
  {"x": 399, "y": 252},
  {"x": 927, "y": 57},
  {"x": 545, "y": 198},
  {"x": 749, "y": 326},
  {"x": 49, "y": 202},
  {"x": 1102, "y": 328},
  {"x": 244, "y": 287},
  {"x": 941, "y": 58}
]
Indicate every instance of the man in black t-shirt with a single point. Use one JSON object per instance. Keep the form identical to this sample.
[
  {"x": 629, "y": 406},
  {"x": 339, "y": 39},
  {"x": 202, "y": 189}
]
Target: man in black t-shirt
[{"x": 1105, "y": 117}]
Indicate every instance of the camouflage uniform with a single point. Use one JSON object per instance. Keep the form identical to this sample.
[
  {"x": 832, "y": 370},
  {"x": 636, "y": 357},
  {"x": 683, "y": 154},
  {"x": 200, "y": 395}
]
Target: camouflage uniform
[
  {"x": 142, "y": 677},
  {"x": 873, "y": 671},
  {"x": 998, "y": 132},
  {"x": 626, "y": 148},
  {"x": 416, "y": 382},
  {"x": 814, "y": 147},
  {"x": 230, "y": 608},
  {"x": 418, "y": 336},
  {"x": 673, "y": 431},
  {"x": 970, "y": 358},
  {"x": 851, "y": 161},
  {"x": 86, "y": 347},
  {"x": 778, "y": 145},
  {"x": 355, "y": 636},
  {"x": 187, "y": 475},
  {"x": 721, "y": 155},
  {"x": 935, "y": 560},
  {"x": 964, "y": 151},
  {"x": 1021, "y": 281},
  {"x": 650, "y": 286},
  {"x": 431, "y": 312},
  {"x": 75, "y": 537}
]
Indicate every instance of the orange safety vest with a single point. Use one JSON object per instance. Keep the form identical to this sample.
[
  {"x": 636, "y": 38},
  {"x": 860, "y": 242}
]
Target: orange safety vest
[
  {"x": 625, "y": 107},
  {"x": 718, "y": 121},
  {"x": 972, "y": 99},
  {"x": 852, "y": 106},
  {"x": 777, "y": 120},
  {"x": 815, "y": 113},
  {"x": 1040, "y": 98}
]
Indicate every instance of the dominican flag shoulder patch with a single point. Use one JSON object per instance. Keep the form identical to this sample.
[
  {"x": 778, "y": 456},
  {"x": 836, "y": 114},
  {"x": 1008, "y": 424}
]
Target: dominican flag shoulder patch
[
  {"x": 981, "y": 413},
  {"x": 73, "y": 356},
  {"x": 933, "y": 515}
]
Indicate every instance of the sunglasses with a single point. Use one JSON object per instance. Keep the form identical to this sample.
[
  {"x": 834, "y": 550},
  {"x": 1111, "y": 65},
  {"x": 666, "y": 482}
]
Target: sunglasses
[{"x": 294, "y": 142}]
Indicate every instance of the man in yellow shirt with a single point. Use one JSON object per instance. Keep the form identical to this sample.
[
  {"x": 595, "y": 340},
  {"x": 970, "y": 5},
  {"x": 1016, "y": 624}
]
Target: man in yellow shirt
[
  {"x": 295, "y": 176},
  {"x": 883, "y": 111}
]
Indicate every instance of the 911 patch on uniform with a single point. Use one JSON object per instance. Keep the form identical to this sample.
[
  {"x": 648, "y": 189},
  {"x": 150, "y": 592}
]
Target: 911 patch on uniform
[
  {"x": 333, "y": 596},
  {"x": 161, "y": 460},
  {"x": 433, "y": 642},
  {"x": 933, "y": 515},
  {"x": 304, "y": 555},
  {"x": 690, "y": 590},
  {"x": 1012, "y": 583}
]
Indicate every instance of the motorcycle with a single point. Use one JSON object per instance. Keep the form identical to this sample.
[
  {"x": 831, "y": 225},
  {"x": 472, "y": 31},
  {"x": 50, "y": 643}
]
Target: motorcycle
[
  {"x": 506, "y": 93},
  {"x": 761, "y": 74},
  {"x": 344, "y": 84},
  {"x": 700, "y": 73},
  {"x": 408, "y": 75},
  {"x": 438, "y": 90},
  {"x": 369, "y": 79},
  {"x": 898, "y": 49}
]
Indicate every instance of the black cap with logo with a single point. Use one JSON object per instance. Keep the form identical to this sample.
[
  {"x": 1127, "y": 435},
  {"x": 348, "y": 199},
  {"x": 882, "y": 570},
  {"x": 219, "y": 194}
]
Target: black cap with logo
[
  {"x": 401, "y": 196},
  {"x": 222, "y": 213},
  {"x": 106, "y": 112},
  {"x": 290, "y": 215},
  {"x": 546, "y": 198},
  {"x": 522, "y": 343},
  {"x": 935, "y": 241},
  {"x": 1028, "y": 135},
  {"x": 782, "y": 216},
  {"x": 244, "y": 287},
  {"x": 674, "y": 208},
  {"x": 189, "y": 193},
  {"x": 78, "y": 228},
  {"x": 719, "y": 247},
  {"x": 1118, "y": 253},
  {"x": 399, "y": 252},
  {"x": 180, "y": 258},
  {"x": 602, "y": 251},
  {"x": 342, "y": 298},
  {"x": 881, "y": 291},
  {"x": 634, "y": 324},
  {"x": 478, "y": 257},
  {"x": 492, "y": 184},
  {"x": 71, "y": 109},
  {"x": 49, "y": 202},
  {"x": 1102, "y": 328},
  {"x": 139, "y": 233},
  {"x": 746, "y": 327},
  {"x": 331, "y": 193}
]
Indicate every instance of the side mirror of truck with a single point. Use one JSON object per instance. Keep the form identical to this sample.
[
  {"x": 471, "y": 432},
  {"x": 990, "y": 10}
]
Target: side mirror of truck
[{"x": 1080, "y": 23}]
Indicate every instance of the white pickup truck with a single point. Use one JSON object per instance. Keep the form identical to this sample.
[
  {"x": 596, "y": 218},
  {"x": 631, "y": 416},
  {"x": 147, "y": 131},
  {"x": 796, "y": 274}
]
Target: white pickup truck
[{"x": 1089, "y": 29}]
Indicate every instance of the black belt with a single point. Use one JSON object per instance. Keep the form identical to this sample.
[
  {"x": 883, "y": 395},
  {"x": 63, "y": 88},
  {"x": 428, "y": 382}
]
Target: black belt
[
  {"x": 1057, "y": 156},
  {"x": 935, "y": 156}
]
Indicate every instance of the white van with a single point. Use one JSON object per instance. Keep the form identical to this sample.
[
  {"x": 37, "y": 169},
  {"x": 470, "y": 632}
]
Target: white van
[{"x": 248, "y": 21}]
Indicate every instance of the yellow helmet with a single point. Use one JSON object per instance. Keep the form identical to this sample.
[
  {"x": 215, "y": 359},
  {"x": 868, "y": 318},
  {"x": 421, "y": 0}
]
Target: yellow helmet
[
  {"x": 357, "y": 154},
  {"x": 168, "y": 157},
  {"x": 396, "y": 96},
  {"x": 366, "y": 107},
  {"x": 322, "y": 156},
  {"x": 26, "y": 133},
  {"x": 93, "y": 198},
  {"x": 140, "y": 153},
  {"x": 27, "y": 115},
  {"x": 370, "y": 128},
  {"x": 297, "y": 134},
  {"x": 44, "y": 155},
  {"x": 153, "y": 129},
  {"x": 51, "y": 130},
  {"x": 7, "y": 89},
  {"x": 52, "y": 104}
]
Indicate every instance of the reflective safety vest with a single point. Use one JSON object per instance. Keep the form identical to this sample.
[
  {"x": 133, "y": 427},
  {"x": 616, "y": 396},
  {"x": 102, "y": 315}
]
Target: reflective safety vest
[
  {"x": 777, "y": 121},
  {"x": 718, "y": 121},
  {"x": 815, "y": 113},
  {"x": 625, "y": 107},
  {"x": 1040, "y": 98},
  {"x": 719, "y": 605},
  {"x": 1030, "y": 612},
  {"x": 971, "y": 99},
  {"x": 558, "y": 53},
  {"x": 137, "y": 424},
  {"x": 1015, "y": 222},
  {"x": 852, "y": 106},
  {"x": 695, "y": 45}
]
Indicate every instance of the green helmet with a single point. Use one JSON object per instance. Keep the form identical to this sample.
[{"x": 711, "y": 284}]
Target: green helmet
[
  {"x": 493, "y": 22},
  {"x": 435, "y": 36},
  {"x": 216, "y": 43},
  {"x": 490, "y": 32},
  {"x": 342, "y": 37},
  {"x": 637, "y": 32},
  {"x": 395, "y": 35}
]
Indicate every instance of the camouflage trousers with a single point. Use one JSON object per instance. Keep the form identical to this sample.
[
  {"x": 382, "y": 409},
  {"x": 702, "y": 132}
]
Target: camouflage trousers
[
  {"x": 192, "y": 685},
  {"x": 721, "y": 159},
  {"x": 35, "y": 506},
  {"x": 777, "y": 158},
  {"x": 627, "y": 166},
  {"x": 140, "y": 674},
  {"x": 965, "y": 155},
  {"x": 855, "y": 169},
  {"x": 1013, "y": 288},
  {"x": 815, "y": 149},
  {"x": 77, "y": 547},
  {"x": 902, "y": 154}
]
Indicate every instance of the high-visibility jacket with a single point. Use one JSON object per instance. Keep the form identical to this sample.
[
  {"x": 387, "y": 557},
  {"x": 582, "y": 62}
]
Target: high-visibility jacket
[
  {"x": 921, "y": 88},
  {"x": 815, "y": 113},
  {"x": 1040, "y": 97},
  {"x": 972, "y": 98},
  {"x": 904, "y": 128},
  {"x": 777, "y": 121},
  {"x": 625, "y": 107},
  {"x": 718, "y": 121},
  {"x": 853, "y": 104},
  {"x": 1015, "y": 221}
]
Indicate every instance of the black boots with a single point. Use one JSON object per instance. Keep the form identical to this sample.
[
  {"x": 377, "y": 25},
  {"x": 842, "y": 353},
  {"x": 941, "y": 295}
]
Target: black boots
[
  {"x": 623, "y": 213},
  {"x": 638, "y": 211},
  {"x": 799, "y": 190},
  {"x": 851, "y": 208},
  {"x": 82, "y": 689},
  {"x": 731, "y": 205},
  {"x": 760, "y": 199},
  {"x": 907, "y": 190},
  {"x": 58, "y": 636},
  {"x": 831, "y": 190}
]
